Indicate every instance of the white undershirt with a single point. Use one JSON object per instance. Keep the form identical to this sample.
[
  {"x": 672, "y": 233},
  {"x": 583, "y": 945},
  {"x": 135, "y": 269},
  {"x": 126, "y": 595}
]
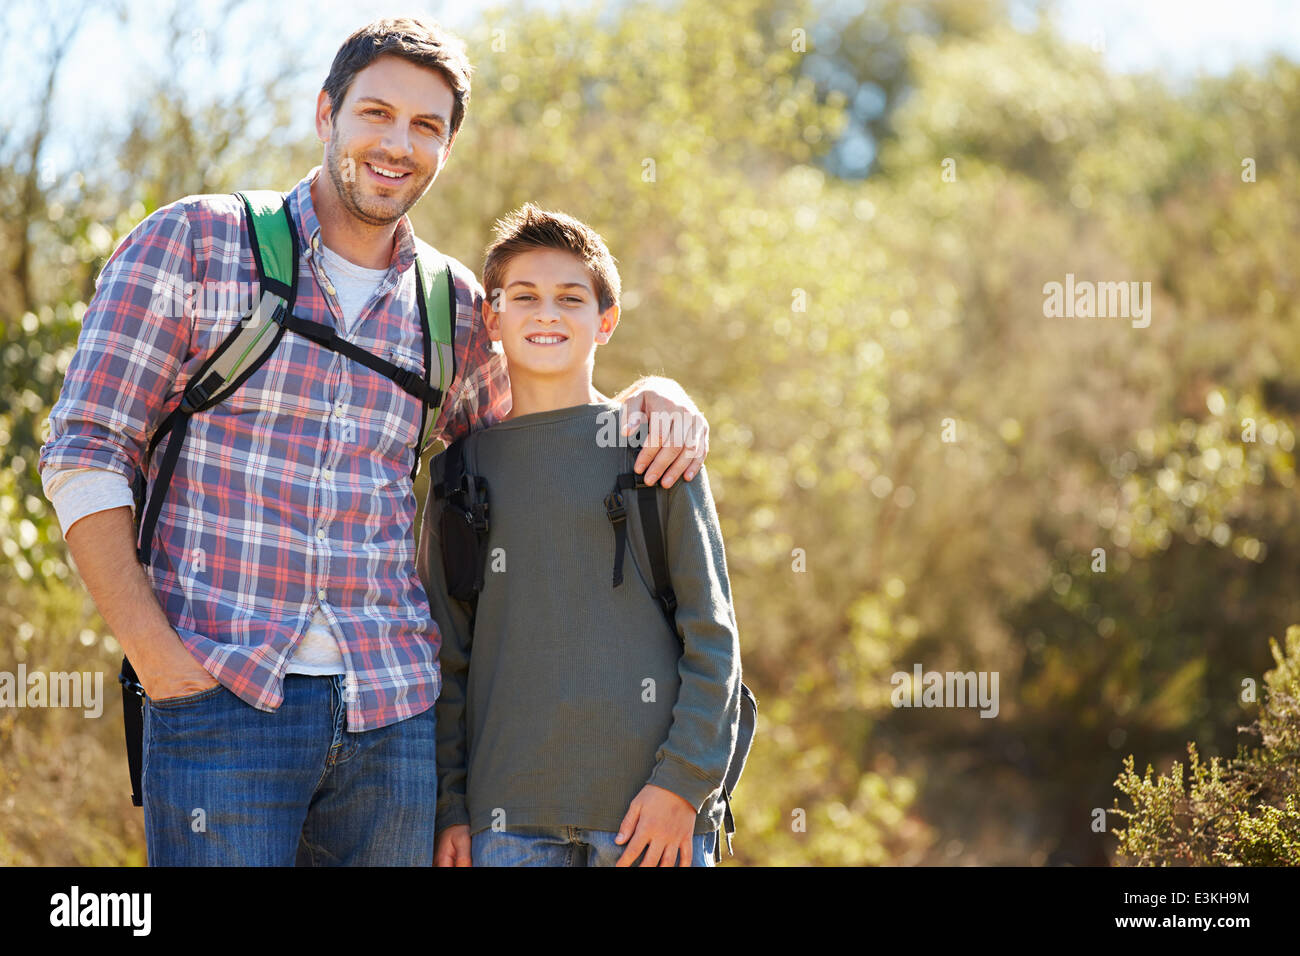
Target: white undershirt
[
  {"x": 319, "y": 653},
  {"x": 77, "y": 492}
]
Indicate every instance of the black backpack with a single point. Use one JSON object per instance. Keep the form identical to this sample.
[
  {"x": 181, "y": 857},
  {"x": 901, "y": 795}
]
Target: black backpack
[
  {"x": 274, "y": 240},
  {"x": 464, "y": 524}
]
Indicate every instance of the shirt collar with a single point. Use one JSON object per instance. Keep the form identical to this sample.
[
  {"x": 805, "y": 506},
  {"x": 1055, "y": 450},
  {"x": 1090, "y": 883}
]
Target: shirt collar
[{"x": 300, "y": 205}]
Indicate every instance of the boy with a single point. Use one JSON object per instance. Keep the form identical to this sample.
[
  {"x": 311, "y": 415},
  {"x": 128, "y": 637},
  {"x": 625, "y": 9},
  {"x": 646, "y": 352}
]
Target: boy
[{"x": 580, "y": 730}]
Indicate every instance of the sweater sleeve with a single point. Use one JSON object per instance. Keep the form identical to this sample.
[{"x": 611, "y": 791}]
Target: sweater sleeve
[
  {"x": 692, "y": 762},
  {"x": 452, "y": 618}
]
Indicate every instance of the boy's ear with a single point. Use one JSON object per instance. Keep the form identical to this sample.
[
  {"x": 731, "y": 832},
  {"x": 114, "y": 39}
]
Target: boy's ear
[
  {"x": 491, "y": 321},
  {"x": 608, "y": 323}
]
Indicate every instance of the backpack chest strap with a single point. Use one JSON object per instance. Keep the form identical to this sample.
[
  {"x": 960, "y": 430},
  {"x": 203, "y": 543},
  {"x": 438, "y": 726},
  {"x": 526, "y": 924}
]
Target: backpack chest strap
[{"x": 407, "y": 380}]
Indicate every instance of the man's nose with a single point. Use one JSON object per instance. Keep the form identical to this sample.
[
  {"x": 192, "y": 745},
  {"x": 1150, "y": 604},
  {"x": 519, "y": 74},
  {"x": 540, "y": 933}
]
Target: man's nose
[{"x": 398, "y": 139}]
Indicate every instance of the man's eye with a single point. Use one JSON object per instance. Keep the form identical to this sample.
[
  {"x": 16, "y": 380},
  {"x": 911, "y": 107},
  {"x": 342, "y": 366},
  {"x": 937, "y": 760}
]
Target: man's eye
[
  {"x": 374, "y": 113},
  {"x": 573, "y": 298},
  {"x": 521, "y": 298}
]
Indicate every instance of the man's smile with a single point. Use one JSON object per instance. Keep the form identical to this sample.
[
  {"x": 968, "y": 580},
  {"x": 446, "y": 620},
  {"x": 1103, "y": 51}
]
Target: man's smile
[{"x": 388, "y": 173}]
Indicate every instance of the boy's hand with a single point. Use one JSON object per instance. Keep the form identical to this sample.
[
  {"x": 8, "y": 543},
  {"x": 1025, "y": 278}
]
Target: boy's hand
[
  {"x": 452, "y": 846},
  {"x": 660, "y": 820},
  {"x": 678, "y": 435}
]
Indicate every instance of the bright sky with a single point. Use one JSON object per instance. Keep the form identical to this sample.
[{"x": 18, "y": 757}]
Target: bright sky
[
  {"x": 1183, "y": 37},
  {"x": 1177, "y": 37}
]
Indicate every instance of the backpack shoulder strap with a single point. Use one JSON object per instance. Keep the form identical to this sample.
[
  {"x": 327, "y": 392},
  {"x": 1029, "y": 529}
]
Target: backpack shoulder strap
[
  {"x": 274, "y": 241},
  {"x": 629, "y": 485},
  {"x": 647, "y": 497},
  {"x": 436, "y": 295}
]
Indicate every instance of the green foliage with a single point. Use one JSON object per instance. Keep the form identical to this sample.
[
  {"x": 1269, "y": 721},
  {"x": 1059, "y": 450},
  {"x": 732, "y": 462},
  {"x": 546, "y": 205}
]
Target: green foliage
[{"x": 1241, "y": 812}]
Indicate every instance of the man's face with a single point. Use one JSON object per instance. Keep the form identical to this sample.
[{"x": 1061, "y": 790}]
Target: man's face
[
  {"x": 395, "y": 119},
  {"x": 547, "y": 317}
]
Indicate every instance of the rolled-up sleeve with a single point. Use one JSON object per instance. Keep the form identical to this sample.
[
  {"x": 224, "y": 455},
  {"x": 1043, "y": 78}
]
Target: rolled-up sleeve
[{"x": 134, "y": 337}]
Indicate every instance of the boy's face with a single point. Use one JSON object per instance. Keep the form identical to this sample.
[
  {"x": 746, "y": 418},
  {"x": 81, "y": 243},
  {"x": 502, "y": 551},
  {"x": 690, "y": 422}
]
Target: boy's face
[
  {"x": 395, "y": 117},
  {"x": 546, "y": 316}
]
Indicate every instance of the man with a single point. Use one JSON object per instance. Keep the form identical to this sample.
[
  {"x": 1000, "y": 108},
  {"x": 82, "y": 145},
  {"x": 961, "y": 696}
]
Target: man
[{"x": 280, "y": 631}]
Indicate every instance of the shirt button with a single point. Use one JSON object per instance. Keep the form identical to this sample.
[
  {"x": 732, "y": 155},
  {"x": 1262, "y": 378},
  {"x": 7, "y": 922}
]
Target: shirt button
[
  {"x": 329, "y": 288},
  {"x": 339, "y": 408},
  {"x": 320, "y": 533},
  {"x": 327, "y": 474},
  {"x": 321, "y": 594}
]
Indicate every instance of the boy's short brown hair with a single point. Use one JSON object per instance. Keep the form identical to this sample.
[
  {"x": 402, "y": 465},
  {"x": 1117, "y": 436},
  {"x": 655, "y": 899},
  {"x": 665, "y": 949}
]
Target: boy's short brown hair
[
  {"x": 414, "y": 39},
  {"x": 529, "y": 228}
]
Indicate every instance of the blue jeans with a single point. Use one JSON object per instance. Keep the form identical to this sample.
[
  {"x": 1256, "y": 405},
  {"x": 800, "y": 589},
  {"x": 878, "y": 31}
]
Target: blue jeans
[
  {"x": 226, "y": 784},
  {"x": 564, "y": 846}
]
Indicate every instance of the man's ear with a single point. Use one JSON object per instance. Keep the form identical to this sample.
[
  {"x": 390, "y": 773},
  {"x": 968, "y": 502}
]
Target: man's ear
[
  {"x": 324, "y": 117},
  {"x": 446, "y": 154},
  {"x": 608, "y": 323}
]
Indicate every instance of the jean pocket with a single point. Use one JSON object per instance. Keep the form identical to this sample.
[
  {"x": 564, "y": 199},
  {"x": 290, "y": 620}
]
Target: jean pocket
[{"x": 169, "y": 703}]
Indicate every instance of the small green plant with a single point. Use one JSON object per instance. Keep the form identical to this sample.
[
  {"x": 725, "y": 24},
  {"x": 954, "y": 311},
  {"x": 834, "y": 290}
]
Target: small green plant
[{"x": 1239, "y": 812}]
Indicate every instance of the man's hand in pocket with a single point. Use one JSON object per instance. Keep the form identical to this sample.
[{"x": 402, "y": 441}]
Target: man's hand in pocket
[{"x": 173, "y": 673}]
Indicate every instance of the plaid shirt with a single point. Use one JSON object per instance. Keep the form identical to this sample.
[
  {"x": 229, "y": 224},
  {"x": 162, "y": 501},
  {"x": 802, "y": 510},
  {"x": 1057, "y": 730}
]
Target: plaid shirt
[{"x": 295, "y": 492}]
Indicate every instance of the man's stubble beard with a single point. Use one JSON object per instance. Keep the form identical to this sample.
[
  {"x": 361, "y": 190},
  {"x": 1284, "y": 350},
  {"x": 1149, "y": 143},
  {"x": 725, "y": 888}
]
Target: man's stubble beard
[{"x": 350, "y": 192}]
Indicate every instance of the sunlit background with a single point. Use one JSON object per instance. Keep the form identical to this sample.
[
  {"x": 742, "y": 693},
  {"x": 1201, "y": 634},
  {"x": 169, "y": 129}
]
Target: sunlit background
[{"x": 842, "y": 254}]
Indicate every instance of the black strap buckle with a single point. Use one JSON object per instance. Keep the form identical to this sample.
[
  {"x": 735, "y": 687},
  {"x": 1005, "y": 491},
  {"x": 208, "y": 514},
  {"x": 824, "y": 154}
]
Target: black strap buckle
[
  {"x": 615, "y": 507},
  {"x": 479, "y": 518},
  {"x": 473, "y": 504},
  {"x": 407, "y": 380},
  {"x": 134, "y": 686},
  {"x": 196, "y": 395}
]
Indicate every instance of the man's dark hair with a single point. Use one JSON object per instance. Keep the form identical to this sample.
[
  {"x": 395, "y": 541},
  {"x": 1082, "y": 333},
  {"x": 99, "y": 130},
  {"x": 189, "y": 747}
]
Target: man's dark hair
[
  {"x": 419, "y": 41},
  {"x": 529, "y": 228}
]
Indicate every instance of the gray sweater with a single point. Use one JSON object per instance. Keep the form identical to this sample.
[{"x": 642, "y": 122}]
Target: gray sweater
[{"x": 577, "y": 694}]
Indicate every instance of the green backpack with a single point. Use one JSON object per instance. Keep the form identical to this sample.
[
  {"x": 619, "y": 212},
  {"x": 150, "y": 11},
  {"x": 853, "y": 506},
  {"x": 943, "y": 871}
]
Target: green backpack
[{"x": 274, "y": 240}]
